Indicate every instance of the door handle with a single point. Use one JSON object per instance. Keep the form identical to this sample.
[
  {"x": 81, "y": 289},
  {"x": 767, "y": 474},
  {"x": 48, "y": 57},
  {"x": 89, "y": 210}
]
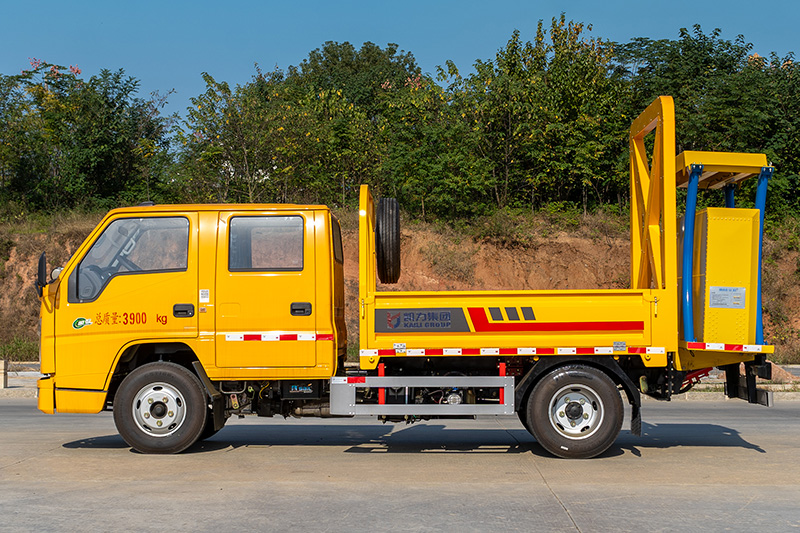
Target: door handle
[
  {"x": 183, "y": 310},
  {"x": 301, "y": 309}
]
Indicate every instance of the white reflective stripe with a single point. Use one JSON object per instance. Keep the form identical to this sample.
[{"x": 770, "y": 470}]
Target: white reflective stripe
[
  {"x": 415, "y": 351},
  {"x": 655, "y": 349},
  {"x": 603, "y": 350},
  {"x": 490, "y": 351},
  {"x": 566, "y": 351},
  {"x": 715, "y": 346},
  {"x": 451, "y": 351},
  {"x": 270, "y": 335},
  {"x": 526, "y": 351},
  {"x": 752, "y": 348},
  {"x": 368, "y": 353}
]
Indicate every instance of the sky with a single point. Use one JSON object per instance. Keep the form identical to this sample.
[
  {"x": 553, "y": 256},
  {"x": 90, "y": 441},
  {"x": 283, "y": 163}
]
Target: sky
[{"x": 167, "y": 44}]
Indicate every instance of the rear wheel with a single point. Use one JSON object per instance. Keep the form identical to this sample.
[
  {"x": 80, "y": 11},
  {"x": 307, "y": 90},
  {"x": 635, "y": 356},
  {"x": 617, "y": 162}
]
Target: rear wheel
[
  {"x": 575, "y": 412},
  {"x": 523, "y": 417},
  {"x": 160, "y": 408}
]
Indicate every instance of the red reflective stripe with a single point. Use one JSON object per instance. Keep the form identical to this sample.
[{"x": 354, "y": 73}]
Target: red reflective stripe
[
  {"x": 357, "y": 379},
  {"x": 381, "y": 391},
  {"x": 637, "y": 349},
  {"x": 288, "y": 337},
  {"x": 584, "y": 351},
  {"x": 386, "y": 352},
  {"x": 502, "y": 398},
  {"x": 481, "y": 323},
  {"x": 324, "y": 336},
  {"x": 696, "y": 345},
  {"x": 248, "y": 337},
  {"x": 545, "y": 351},
  {"x": 735, "y": 347},
  {"x": 508, "y": 351},
  {"x": 434, "y": 351},
  {"x": 471, "y": 351}
]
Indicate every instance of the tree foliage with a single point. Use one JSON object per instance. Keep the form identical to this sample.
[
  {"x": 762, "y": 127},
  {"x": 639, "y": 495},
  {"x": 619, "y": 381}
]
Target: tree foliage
[
  {"x": 69, "y": 141},
  {"x": 543, "y": 122}
]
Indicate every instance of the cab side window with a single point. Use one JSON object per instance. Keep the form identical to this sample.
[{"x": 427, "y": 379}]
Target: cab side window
[
  {"x": 338, "y": 255},
  {"x": 133, "y": 246},
  {"x": 265, "y": 243}
]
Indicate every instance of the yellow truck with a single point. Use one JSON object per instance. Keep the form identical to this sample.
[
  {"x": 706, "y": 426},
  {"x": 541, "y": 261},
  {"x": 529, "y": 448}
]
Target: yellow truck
[{"x": 178, "y": 317}]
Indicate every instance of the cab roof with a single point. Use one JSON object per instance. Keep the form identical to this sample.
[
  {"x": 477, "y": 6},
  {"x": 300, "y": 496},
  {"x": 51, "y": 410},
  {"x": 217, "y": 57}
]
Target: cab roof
[{"x": 180, "y": 208}]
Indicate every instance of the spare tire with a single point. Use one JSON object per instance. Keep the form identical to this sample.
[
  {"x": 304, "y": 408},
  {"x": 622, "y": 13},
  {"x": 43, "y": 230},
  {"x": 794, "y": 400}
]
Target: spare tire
[{"x": 387, "y": 240}]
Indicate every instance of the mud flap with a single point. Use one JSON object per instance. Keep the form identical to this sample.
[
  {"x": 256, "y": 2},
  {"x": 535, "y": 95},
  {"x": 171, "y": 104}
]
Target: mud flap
[
  {"x": 744, "y": 387},
  {"x": 216, "y": 397}
]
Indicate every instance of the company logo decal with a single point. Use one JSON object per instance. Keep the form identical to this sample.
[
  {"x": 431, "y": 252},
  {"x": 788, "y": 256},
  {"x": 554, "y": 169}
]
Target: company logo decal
[
  {"x": 420, "y": 319},
  {"x": 393, "y": 321},
  {"x": 81, "y": 322}
]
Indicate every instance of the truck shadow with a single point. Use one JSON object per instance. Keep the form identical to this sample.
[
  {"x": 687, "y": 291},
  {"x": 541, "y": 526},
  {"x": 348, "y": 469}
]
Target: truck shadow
[
  {"x": 437, "y": 438},
  {"x": 661, "y": 436}
]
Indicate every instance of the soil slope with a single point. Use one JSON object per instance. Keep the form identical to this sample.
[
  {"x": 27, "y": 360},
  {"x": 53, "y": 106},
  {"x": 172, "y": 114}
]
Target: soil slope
[{"x": 586, "y": 256}]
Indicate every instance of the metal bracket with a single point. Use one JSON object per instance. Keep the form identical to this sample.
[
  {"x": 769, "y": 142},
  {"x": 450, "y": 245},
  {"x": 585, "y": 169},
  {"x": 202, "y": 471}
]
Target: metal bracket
[{"x": 343, "y": 395}]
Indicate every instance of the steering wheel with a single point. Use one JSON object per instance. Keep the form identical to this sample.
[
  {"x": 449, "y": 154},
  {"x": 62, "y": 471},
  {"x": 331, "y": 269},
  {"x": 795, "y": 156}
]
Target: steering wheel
[
  {"x": 91, "y": 279},
  {"x": 127, "y": 263}
]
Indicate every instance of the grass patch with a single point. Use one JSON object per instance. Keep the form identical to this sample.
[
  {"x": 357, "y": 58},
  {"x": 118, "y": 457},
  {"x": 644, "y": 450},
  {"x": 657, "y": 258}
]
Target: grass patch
[{"x": 450, "y": 263}]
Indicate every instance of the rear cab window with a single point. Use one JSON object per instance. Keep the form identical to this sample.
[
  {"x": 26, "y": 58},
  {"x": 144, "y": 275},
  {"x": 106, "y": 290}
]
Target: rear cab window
[{"x": 266, "y": 243}]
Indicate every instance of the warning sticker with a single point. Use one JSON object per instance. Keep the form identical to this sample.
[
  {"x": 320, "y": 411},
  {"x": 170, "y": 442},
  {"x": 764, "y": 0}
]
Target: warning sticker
[{"x": 726, "y": 297}]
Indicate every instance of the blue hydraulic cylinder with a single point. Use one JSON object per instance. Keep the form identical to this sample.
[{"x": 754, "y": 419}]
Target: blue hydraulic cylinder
[
  {"x": 730, "y": 200},
  {"x": 688, "y": 253},
  {"x": 761, "y": 205}
]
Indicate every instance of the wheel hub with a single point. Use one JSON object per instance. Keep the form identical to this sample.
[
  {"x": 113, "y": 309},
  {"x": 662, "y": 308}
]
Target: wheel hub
[
  {"x": 576, "y": 411},
  {"x": 573, "y": 410},
  {"x": 159, "y": 409}
]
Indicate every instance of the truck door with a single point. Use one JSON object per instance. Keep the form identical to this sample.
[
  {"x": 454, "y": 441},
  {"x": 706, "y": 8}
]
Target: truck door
[
  {"x": 266, "y": 299},
  {"x": 136, "y": 282}
]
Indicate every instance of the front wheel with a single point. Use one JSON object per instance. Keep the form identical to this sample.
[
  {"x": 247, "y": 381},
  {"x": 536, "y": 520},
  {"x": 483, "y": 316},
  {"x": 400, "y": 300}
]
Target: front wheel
[
  {"x": 160, "y": 408},
  {"x": 575, "y": 412}
]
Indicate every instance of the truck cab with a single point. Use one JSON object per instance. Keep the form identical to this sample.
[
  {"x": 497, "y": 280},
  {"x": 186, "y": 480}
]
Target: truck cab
[{"x": 249, "y": 291}]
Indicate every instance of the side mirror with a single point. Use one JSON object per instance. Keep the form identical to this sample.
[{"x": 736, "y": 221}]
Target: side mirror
[
  {"x": 55, "y": 273},
  {"x": 41, "y": 278}
]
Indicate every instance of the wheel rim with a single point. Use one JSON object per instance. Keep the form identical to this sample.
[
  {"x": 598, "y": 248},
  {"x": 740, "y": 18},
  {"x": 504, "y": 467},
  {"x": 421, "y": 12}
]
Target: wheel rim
[
  {"x": 576, "y": 411},
  {"x": 159, "y": 409}
]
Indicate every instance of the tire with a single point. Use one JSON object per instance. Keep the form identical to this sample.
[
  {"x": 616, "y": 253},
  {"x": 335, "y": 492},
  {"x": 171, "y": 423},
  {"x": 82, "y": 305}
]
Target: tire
[
  {"x": 387, "y": 240},
  {"x": 160, "y": 408},
  {"x": 575, "y": 412},
  {"x": 523, "y": 417}
]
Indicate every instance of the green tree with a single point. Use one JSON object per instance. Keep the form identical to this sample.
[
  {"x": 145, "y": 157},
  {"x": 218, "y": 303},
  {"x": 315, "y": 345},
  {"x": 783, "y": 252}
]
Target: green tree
[
  {"x": 70, "y": 141},
  {"x": 547, "y": 111},
  {"x": 358, "y": 74},
  {"x": 432, "y": 163}
]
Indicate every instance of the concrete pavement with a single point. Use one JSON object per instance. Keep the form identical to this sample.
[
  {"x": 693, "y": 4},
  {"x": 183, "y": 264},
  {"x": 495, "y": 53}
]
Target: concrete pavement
[{"x": 715, "y": 466}]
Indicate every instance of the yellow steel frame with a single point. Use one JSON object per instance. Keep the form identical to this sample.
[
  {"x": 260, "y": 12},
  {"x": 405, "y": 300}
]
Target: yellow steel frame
[
  {"x": 719, "y": 168},
  {"x": 653, "y": 230}
]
